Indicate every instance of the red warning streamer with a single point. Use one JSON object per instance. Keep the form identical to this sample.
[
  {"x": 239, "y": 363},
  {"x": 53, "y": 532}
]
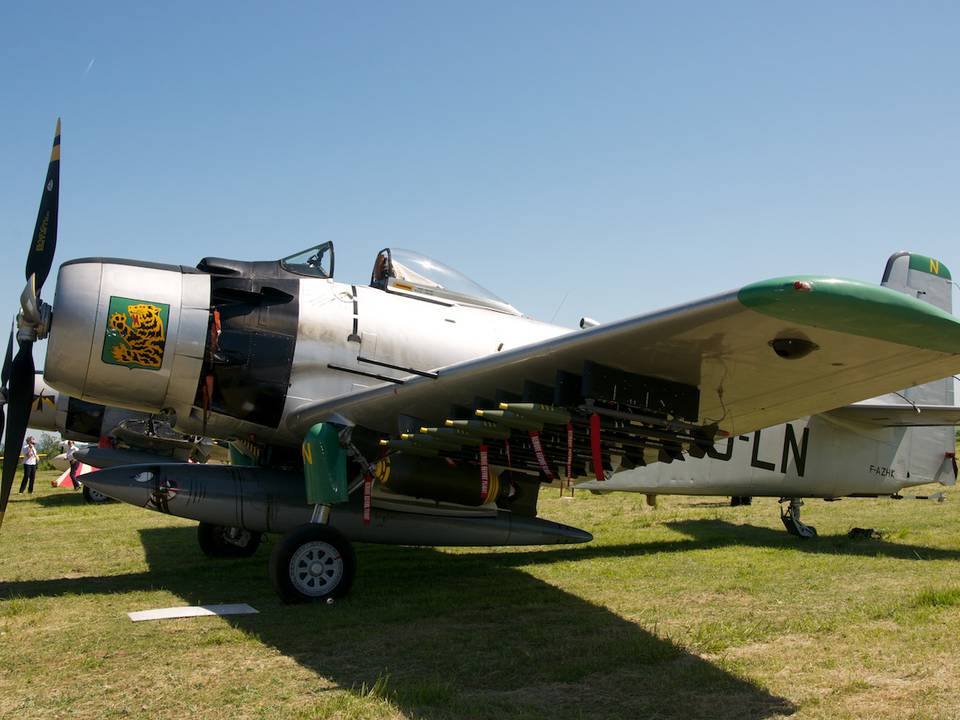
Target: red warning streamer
[
  {"x": 569, "y": 451},
  {"x": 484, "y": 473},
  {"x": 541, "y": 458},
  {"x": 595, "y": 447},
  {"x": 367, "y": 497},
  {"x": 215, "y": 331}
]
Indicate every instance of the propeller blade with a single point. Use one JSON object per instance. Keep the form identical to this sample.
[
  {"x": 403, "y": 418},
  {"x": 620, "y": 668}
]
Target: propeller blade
[
  {"x": 7, "y": 361},
  {"x": 18, "y": 373},
  {"x": 20, "y": 398},
  {"x": 44, "y": 242},
  {"x": 7, "y": 364}
]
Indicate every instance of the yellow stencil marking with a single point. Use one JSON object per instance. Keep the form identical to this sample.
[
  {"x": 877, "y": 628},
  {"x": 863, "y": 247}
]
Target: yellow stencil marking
[{"x": 382, "y": 471}]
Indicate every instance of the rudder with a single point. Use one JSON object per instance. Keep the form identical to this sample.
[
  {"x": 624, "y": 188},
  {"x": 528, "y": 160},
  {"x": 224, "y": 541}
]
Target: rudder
[
  {"x": 931, "y": 448},
  {"x": 925, "y": 278}
]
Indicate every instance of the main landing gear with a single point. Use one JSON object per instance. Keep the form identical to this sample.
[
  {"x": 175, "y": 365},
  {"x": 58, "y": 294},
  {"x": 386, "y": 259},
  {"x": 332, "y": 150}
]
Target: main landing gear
[
  {"x": 312, "y": 562},
  {"x": 791, "y": 519},
  {"x": 92, "y": 497},
  {"x": 220, "y": 541}
]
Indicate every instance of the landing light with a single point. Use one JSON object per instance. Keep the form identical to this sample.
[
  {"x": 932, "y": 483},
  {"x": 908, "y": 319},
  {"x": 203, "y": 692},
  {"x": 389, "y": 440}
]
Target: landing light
[{"x": 793, "y": 348}]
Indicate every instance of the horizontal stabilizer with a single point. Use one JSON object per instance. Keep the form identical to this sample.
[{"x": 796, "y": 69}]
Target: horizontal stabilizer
[{"x": 897, "y": 415}]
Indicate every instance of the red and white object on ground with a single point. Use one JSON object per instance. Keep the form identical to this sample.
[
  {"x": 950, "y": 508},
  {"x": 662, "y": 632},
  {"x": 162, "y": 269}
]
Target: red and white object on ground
[{"x": 64, "y": 479}]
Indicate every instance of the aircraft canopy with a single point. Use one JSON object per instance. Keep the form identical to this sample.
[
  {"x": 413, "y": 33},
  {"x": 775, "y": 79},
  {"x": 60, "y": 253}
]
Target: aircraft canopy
[
  {"x": 397, "y": 269},
  {"x": 316, "y": 261}
]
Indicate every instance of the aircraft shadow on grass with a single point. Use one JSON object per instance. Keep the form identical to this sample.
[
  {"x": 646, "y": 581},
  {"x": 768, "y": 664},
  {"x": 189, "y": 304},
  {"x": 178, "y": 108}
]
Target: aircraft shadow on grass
[
  {"x": 64, "y": 498},
  {"x": 451, "y": 633},
  {"x": 475, "y": 629},
  {"x": 706, "y": 534}
]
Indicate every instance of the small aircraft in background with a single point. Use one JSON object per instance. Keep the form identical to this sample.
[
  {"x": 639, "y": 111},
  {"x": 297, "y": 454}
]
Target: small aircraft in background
[
  {"x": 421, "y": 409},
  {"x": 873, "y": 448}
]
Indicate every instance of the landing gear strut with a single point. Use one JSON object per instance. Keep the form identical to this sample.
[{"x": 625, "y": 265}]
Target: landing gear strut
[
  {"x": 315, "y": 561},
  {"x": 791, "y": 519}
]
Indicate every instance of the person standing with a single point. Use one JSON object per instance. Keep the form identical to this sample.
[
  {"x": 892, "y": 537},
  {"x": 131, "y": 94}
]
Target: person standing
[
  {"x": 74, "y": 464},
  {"x": 29, "y": 465}
]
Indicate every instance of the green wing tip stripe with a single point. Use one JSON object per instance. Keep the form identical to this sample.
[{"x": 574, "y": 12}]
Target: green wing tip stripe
[
  {"x": 856, "y": 308},
  {"x": 929, "y": 265}
]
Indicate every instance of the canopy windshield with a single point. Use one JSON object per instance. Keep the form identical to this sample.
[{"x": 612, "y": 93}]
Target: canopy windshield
[{"x": 316, "y": 261}]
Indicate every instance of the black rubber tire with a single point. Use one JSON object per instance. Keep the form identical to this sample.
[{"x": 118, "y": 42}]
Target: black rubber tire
[
  {"x": 333, "y": 554},
  {"x": 92, "y": 497},
  {"x": 216, "y": 542}
]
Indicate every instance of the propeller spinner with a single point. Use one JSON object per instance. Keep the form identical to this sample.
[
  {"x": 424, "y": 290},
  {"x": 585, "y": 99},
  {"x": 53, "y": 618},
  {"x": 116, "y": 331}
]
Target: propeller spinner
[{"x": 33, "y": 322}]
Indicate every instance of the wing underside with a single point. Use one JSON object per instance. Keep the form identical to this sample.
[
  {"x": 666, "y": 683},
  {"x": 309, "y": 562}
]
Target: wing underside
[{"x": 657, "y": 386}]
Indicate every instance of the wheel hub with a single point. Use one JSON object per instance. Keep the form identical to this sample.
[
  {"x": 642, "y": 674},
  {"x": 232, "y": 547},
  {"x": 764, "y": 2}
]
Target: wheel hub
[{"x": 316, "y": 568}]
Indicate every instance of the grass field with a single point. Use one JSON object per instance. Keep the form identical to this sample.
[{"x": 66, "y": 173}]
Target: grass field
[{"x": 690, "y": 610}]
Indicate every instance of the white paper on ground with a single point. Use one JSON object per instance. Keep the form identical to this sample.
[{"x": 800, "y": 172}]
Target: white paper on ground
[{"x": 192, "y": 611}]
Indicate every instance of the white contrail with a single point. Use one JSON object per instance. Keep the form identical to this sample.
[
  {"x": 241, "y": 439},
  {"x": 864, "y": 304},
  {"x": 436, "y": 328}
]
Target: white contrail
[{"x": 89, "y": 65}]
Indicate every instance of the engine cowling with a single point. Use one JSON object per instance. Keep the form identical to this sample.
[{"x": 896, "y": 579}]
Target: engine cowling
[{"x": 128, "y": 333}]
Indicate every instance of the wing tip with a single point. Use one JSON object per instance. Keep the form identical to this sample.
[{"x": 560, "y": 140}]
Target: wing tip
[{"x": 855, "y": 307}]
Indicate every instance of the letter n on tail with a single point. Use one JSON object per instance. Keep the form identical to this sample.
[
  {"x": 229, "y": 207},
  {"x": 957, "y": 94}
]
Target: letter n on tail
[{"x": 799, "y": 453}]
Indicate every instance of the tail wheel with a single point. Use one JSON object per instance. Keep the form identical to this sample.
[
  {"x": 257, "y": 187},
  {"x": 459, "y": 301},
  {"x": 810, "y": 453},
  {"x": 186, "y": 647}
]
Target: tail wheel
[
  {"x": 312, "y": 562},
  {"x": 220, "y": 541}
]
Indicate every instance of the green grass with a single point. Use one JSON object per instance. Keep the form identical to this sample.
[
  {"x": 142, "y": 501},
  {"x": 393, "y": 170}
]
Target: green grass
[
  {"x": 938, "y": 597},
  {"x": 692, "y": 609}
]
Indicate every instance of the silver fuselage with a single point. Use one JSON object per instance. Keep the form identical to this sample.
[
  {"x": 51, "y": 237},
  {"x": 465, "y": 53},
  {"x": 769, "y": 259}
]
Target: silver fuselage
[
  {"x": 810, "y": 457},
  {"x": 352, "y": 337},
  {"x": 346, "y": 336}
]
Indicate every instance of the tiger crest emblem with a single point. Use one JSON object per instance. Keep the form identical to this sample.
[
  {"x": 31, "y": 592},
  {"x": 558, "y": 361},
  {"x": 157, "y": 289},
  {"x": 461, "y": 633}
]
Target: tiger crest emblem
[{"x": 136, "y": 333}]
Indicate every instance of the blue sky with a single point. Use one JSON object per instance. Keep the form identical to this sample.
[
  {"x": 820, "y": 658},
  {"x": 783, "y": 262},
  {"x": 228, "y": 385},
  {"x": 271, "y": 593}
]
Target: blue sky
[{"x": 615, "y": 157}]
